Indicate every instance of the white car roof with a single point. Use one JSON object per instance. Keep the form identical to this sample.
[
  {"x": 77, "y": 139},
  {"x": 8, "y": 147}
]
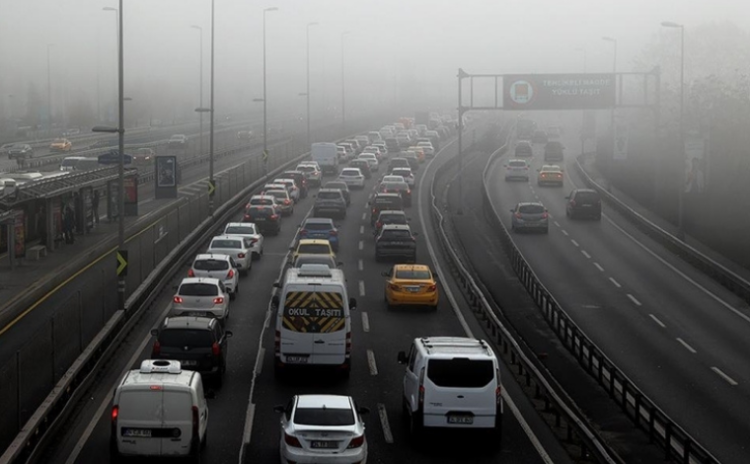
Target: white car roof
[
  {"x": 227, "y": 237},
  {"x": 394, "y": 179},
  {"x": 204, "y": 256},
  {"x": 199, "y": 280},
  {"x": 351, "y": 170},
  {"x": 327, "y": 401}
]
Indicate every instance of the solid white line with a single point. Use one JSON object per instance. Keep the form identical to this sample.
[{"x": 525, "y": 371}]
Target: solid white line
[
  {"x": 387, "y": 434},
  {"x": 565, "y": 232},
  {"x": 361, "y": 229},
  {"x": 365, "y": 322},
  {"x": 525, "y": 426},
  {"x": 259, "y": 361},
  {"x": 634, "y": 300},
  {"x": 361, "y": 245},
  {"x": 361, "y": 265},
  {"x": 371, "y": 362},
  {"x": 729, "y": 380},
  {"x": 685, "y": 344},
  {"x": 361, "y": 288},
  {"x": 656, "y": 319},
  {"x": 574, "y": 242},
  {"x": 364, "y": 216},
  {"x": 583, "y": 252},
  {"x": 617, "y": 284},
  {"x": 598, "y": 266}
]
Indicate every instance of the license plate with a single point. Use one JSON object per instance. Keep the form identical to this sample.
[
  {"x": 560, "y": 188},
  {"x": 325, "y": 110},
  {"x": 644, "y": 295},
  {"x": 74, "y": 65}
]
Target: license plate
[
  {"x": 189, "y": 362},
  {"x": 297, "y": 359},
  {"x": 460, "y": 419},
  {"x": 324, "y": 444},
  {"x": 413, "y": 289},
  {"x": 260, "y": 219},
  {"x": 137, "y": 433}
]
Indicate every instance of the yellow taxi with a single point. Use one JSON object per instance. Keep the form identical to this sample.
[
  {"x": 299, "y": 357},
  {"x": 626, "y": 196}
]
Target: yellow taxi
[
  {"x": 411, "y": 285},
  {"x": 61, "y": 144},
  {"x": 420, "y": 153},
  {"x": 550, "y": 174},
  {"x": 308, "y": 246}
]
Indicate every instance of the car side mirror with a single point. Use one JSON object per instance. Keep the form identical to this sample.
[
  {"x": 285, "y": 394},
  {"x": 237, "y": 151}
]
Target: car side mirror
[
  {"x": 275, "y": 301},
  {"x": 228, "y": 334},
  {"x": 210, "y": 394},
  {"x": 363, "y": 410},
  {"x": 352, "y": 303},
  {"x": 154, "y": 332},
  {"x": 279, "y": 408},
  {"x": 402, "y": 357}
]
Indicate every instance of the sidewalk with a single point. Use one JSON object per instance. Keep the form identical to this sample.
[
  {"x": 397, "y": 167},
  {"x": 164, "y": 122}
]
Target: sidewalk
[{"x": 587, "y": 162}]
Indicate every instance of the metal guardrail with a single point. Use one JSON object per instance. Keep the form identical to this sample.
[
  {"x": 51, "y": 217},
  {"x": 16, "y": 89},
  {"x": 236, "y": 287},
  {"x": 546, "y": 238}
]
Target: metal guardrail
[
  {"x": 35, "y": 433},
  {"x": 485, "y": 312},
  {"x": 729, "y": 279},
  {"x": 678, "y": 445}
]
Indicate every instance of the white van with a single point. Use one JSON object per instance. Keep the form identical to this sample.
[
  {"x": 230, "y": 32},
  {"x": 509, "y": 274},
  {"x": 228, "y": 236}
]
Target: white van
[
  {"x": 326, "y": 155},
  {"x": 451, "y": 382},
  {"x": 159, "y": 410},
  {"x": 69, "y": 162},
  {"x": 313, "y": 320}
]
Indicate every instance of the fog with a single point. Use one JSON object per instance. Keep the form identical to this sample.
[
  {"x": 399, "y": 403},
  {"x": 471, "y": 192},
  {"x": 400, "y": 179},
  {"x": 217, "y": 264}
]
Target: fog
[{"x": 403, "y": 53}]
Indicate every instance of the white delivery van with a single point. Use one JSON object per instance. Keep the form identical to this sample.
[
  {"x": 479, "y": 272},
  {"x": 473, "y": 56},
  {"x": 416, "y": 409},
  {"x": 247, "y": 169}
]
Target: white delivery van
[
  {"x": 69, "y": 162},
  {"x": 159, "y": 410},
  {"x": 326, "y": 155},
  {"x": 313, "y": 320}
]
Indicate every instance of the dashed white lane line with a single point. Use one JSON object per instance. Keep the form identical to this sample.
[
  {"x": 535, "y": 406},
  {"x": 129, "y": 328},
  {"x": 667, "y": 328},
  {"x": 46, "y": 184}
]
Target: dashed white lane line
[
  {"x": 574, "y": 243},
  {"x": 361, "y": 265},
  {"x": 371, "y": 363},
  {"x": 564, "y": 232},
  {"x": 616, "y": 283},
  {"x": 361, "y": 229},
  {"x": 364, "y": 216},
  {"x": 584, "y": 253},
  {"x": 387, "y": 434},
  {"x": 656, "y": 319},
  {"x": 361, "y": 245},
  {"x": 729, "y": 380},
  {"x": 687, "y": 347},
  {"x": 361, "y": 288},
  {"x": 365, "y": 322},
  {"x": 634, "y": 300},
  {"x": 598, "y": 266},
  {"x": 557, "y": 224}
]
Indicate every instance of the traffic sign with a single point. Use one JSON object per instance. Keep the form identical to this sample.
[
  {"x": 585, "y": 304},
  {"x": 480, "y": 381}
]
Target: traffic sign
[
  {"x": 265, "y": 156},
  {"x": 122, "y": 263},
  {"x": 211, "y": 188}
]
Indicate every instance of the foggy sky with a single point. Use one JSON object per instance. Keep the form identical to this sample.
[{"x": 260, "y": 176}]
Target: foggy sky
[{"x": 389, "y": 42}]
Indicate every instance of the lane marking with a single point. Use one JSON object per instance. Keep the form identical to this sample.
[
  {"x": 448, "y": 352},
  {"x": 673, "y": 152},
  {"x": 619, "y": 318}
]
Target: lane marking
[
  {"x": 584, "y": 253},
  {"x": 361, "y": 265},
  {"x": 364, "y": 216},
  {"x": 656, "y": 319},
  {"x": 371, "y": 362},
  {"x": 259, "y": 361},
  {"x": 729, "y": 380},
  {"x": 557, "y": 224},
  {"x": 361, "y": 229},
  {"x": 361, "y": 245},
  {"x": 598, "y": 266},
  {"x": 365, "y": 322},
  {"x": 685, "y": 344},
  {"x": 565, "y": 232},
  {"x": 634, "y": 300},
  {"x": 387, "y": 434},
  {"x": 574, "y": 242},
  {"x": 617, "y": 284},
  {"x": 361, "y": 288}
]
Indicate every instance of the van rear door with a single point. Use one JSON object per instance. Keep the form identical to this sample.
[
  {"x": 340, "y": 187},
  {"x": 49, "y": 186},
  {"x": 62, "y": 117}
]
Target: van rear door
[
  {"x": 139, "y": 421},
  {"x": 295, "y": 339},
  {"x": 460, "y": 392},
  {"x": 329, "y": 337},
  {"x": 177, "y": 422}
]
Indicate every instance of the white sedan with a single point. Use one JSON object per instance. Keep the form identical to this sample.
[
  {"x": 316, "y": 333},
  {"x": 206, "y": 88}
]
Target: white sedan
[
  {"x": 239, "y": 248},
  {"x": 248, "y": 230},
  {"x": 406, "y": 174},
  {"x": 352, "y": 177},
  {"x": 200, "y": 296},
  {"x": 371, "y": 159},
  {"x": 322, "y": 429}
]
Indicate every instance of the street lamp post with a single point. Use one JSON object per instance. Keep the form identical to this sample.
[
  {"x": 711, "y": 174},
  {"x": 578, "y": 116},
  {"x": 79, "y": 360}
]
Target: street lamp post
[
  {"x": 307, "y": 93},
  {"x": 265, "y": 95},
  {"x": 200, "y": 80},
  {"x": 681, "y": 186},
  {"x": 343, "y": 87}
]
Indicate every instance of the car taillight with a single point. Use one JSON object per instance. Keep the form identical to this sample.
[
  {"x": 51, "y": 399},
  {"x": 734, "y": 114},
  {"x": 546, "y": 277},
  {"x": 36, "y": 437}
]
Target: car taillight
[
  {"x": 156, "y": 349},
  {"x": 219, "y": 300},
  {"x": 286, "y": 202},
  {"x": 177, "y": 299},
  {"x": 277, "y": 342},
  {"x": 356, "y": 442},
  {"x": 196, "y": 423},
  {"x": 303, "y": 232},
  {"x": 191, "y": 273},
  {"x": 115, "y": 412},
  {"x": 378, "y": 225},
  {"x": 240, "y": 255},
  {"x": 348, "y": 344},
  {"x": 408, "y": 192},
  {"x": 545, "y": 215},
  {"x": 230, "y": 274},
  {"x": 432, "y": 288},
  {"x": 518, "y": 215},
  {"x": 333, "y": 233},
  {"x": 292, "y": 441},
  {"x": 274, "y": 216},
  {"x": 572, "y": 202},
  {"x": 394, "y": 287},
  {"x": 216, "y": 349}
]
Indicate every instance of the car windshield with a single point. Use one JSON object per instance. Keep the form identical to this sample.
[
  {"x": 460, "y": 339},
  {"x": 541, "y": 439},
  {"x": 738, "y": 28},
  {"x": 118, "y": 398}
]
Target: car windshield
[
  {"x": 198, "y": 289},
  {"x": 241, "y": 230},
  {"x": 185, "y": 337},
  {"x": 395, "y": 186},
  {"x": 329, "y": 195},
  {"x": 336, "y": 185},
  {"x": 402, "y": 172},
  {"x": 261, "y": 201},
  {"x": 315, "y": 259},
  {"x": 260, "y": 211},
  {"x": 531, "y": 209},
  {"x": 400, "y": 234},
  {"x": 587, "y": 196},
  {"x": 323, "y": 416},
  {"x": 314, "y": 248},
  {"x": 210, "y": 265},
  {"x": 350, "y": 173},
  {"x": 393, "y": 219},
  {"x": 517, "y": 164},
  {"x": 306, "y": 168},
  {"x": 226, "y": 244},
  {"x": 317, "y": 226},
  {"x": 282, "y": 194},
  {"x": 412, "y": 274},
  {"x": 460, "y": 372}
]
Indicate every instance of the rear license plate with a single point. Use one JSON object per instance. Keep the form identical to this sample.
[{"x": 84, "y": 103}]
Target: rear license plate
[
  {"x": 297, "y": 359},
  {"x": 413, "y": 289},
  {"x": 460, "y": 419},
  {"x": 189, "y": 362},
  {"x": 324, "y": 444},
  {"x": 260, "y": 219},
  {"x": 136, "y": 433}
]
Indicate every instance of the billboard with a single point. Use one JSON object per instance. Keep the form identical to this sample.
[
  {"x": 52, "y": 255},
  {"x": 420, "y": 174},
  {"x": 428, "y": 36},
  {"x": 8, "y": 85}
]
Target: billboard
[
  {"x": 558, "y": 91},
  {"x": 166, "y": 176}
]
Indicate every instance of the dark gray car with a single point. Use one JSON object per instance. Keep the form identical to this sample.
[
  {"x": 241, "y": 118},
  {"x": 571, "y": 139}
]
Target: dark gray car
[{"x": 335, "y": 184}]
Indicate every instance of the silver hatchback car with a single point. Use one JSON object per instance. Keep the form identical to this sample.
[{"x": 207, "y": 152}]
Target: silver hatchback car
[{"x": 529, "y": 216}]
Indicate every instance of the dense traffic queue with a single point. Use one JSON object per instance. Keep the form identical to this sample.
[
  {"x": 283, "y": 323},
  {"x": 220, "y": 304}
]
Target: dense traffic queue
[{"x": 160, "y": 409}]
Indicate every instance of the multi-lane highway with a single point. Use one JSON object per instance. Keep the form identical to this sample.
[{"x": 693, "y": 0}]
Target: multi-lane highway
[
  {"x": 676, "y": 333},
  {"x": 242, "y": 421}
]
